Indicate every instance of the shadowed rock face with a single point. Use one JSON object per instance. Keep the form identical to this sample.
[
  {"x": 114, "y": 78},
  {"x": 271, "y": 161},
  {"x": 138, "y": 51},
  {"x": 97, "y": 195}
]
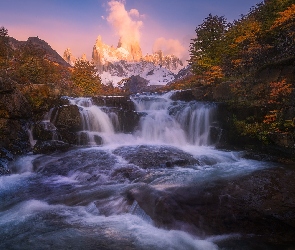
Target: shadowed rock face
[
  {"x": 45, "y": 147},
  {"x": 14, "y": 114},
  {"x": 13, "y": 104},
  {"x": 261, "y": 204},
  {"x": 68, "y": 117}
]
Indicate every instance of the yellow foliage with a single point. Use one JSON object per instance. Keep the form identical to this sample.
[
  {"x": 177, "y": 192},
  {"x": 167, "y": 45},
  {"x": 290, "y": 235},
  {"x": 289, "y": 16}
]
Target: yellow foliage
[
  {"x": 214, "y": 74},
  {"x": 85, "y": 77},
  {"x": 285, "y": 17},
  {"x": 279, "y": 91},
  {"x": 248, "y": 31}
]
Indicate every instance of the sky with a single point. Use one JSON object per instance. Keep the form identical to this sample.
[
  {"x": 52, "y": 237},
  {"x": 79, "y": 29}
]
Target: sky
[{"x": 168, "y": 25}]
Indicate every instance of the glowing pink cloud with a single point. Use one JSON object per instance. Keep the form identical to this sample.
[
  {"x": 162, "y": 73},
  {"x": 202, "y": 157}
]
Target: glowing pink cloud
[
  {"x": 122, "y": 21},
  {"x": 169, "y": 47}
]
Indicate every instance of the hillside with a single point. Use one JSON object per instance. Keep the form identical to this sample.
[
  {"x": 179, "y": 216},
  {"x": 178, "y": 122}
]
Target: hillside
[{"x": 41, "y": 45}]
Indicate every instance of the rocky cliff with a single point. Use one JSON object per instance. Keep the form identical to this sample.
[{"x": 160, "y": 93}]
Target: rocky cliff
[
  {"x": 68, "y": 57},
  {"x": 15, "y": 113},
  {"x": 103, "y": 54}
]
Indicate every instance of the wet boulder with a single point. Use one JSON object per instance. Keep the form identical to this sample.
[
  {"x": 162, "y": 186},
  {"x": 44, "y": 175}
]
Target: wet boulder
[
  {"x": 128, "y": 120},
  {"x": 84, "y": 139},
  {"x": 259, "y": 207},
  {"x": 121, "y": 102},
  {"x": 67, "y": 117},
  {"x": 15, "y": 112},
  {"x": 127, "y": 172},
  {"x": 14, "y": 136},
  {"x": 44, "y": 131},
  {"x": 157, "y": 204},
  {"x": 183, "y": 95},
  {"x": 5, "y": 157},
  {"x": 13, "y": 104},
  {"x": 152, "y": 156},
  {"x": 3, "y": 167},
  {"x": 46, "y": 147}
]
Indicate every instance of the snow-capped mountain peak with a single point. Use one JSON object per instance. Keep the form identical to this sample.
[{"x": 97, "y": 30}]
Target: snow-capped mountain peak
[{"x": 116, "y": 64}]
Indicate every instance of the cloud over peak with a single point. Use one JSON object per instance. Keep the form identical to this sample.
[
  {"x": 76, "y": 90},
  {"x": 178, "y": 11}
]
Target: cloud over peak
[
  {"x": 169, "y": 47},
  {"x": 123, "y": 22}
]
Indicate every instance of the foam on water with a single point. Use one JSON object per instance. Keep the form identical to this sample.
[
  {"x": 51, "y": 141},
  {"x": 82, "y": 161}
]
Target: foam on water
[
  {"x": 79, "y": 199},
  {"x": 95, "y": 228},
  {"x": 163, "y": 121}
]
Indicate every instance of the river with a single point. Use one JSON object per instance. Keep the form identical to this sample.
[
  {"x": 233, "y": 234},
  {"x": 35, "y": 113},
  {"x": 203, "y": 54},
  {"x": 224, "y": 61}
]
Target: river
[{"x": 108, "y": 194}]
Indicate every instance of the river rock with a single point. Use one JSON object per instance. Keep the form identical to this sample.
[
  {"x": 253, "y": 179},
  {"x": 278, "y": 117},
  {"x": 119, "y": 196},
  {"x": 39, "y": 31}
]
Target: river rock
[
  {"x": 123, "y": 107},
  {"x": 45, "y": 147},
  {"x": 121, "y": 102},
  {"x": 151, "y": 156},
  {"x": 13, "y": 104},
  {"x": 136, "y": 84},
  {"x": 43, "y": 131},
  {"x": 183, "y": 95},
  {"x": 15, "y": 112},
  {"x": 83, "y": 139},
  {"x": 5, "y": 157},
  {"x": 259, "y": 206},
  {"x": 13, "y": 135},
  {"x": 128, "y": 120},
  {"x": 3, "y": 167},
  {"x": 67, "y": 117}
]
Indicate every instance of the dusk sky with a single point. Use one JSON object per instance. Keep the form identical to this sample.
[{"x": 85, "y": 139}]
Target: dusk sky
[{"x": 159, "y": 24}]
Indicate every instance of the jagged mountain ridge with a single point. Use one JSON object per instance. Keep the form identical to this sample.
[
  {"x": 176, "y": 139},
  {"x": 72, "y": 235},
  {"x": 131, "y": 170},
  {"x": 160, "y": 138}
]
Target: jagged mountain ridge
[
  {"x": 155, "y": 75},
  {"x": 117, "y": 63},
  {"x": 50, "y": 53}
]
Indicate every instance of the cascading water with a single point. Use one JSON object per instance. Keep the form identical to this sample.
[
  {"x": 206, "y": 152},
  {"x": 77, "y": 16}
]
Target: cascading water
[
  {"x": 96, "y": 122},
  {"x": 163, "y": 121},
  {"x": 120, "y": 195},
  {"x": 179, "y": 123}
]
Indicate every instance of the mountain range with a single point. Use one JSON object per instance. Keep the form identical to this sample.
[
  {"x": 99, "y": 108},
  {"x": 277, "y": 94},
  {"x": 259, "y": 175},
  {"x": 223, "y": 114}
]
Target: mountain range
[{"x": 115, "y": 64}]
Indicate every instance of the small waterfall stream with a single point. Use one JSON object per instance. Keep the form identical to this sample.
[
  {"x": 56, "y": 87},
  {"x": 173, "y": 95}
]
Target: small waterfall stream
[
  {"x": 163, "y": 121},
  {"x": 115, "y": 191},
  {"x": 96, "y": 123},
  {"x": 179, "y": 123}
]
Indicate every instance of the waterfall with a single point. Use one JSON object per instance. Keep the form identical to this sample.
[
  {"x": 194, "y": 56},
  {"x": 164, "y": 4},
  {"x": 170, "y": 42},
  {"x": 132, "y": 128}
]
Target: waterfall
[
  {"x": 31, "y": 138},
  {"x": 196, "y": 119},
  {"x": 174, "y": 122},
  {"x": 162, "y": 121},
  {"x": 97, "y": 124}
]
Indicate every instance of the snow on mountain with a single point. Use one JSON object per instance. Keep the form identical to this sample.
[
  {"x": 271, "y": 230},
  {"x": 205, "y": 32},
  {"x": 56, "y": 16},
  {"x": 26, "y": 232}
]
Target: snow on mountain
[
  {"x": 116, "y": 64},
  {"x": 155, "y": 74}
]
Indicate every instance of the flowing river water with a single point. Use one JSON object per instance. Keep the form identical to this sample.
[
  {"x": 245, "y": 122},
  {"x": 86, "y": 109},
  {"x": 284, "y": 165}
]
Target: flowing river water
[{"x": 80, "y": 199}]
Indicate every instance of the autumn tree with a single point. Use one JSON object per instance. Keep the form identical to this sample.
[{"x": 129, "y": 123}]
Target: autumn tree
[
  {"x": 206, "y": 50},
  {"x": 283, "y": 30},
  {"x": 86, "y": 78}
]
